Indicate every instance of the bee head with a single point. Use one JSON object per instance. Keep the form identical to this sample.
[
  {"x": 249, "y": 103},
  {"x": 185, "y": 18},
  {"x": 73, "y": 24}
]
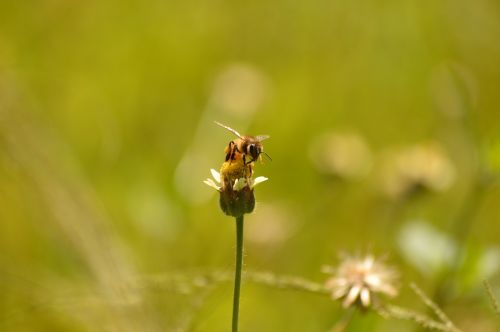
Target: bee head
[{"x": 254, "y": 150}]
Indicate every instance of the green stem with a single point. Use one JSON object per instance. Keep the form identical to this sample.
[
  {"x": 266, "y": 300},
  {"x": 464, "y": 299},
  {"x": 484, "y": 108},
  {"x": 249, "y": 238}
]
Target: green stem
[{"x": 237, "y": 273}]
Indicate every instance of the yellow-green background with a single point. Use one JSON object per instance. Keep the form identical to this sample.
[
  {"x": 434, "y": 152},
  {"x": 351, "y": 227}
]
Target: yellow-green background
[{"x": 106, "y": 133}]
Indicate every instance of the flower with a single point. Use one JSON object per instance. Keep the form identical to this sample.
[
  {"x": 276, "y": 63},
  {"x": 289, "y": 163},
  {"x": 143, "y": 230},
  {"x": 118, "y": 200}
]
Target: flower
[
  {"x": 423, "y": 166},
  {"x": 211, "y": 183},
  {"x": 236, "y": 195},
  {"x": 357, "y": 280},
  {"x": 345, "y": 155},
  {"x": 238, "y": 183}
]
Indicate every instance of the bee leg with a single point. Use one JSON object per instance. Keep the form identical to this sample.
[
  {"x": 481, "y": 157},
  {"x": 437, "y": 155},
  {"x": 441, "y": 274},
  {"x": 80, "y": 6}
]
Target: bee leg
[
  {"x": 233, "y": 154},
  {"x": 230, "y": 154},
  {"x": 234, "y": 149},
  {"x": 249, "y": 162}
]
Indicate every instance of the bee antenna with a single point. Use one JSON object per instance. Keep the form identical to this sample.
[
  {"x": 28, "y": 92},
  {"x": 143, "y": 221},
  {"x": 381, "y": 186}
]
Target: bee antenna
[
  {"x": 270, "y": 159},
  {"x": 228, "y": 128}
]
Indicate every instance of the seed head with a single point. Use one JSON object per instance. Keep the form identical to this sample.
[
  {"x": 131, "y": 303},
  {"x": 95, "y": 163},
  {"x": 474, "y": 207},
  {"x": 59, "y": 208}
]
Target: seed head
[{"x": 357, "y": 281}]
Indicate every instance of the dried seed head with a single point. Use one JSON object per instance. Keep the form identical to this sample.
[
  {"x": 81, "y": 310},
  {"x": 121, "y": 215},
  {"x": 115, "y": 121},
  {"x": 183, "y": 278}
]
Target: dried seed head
[{"x": 357, "y": 280}]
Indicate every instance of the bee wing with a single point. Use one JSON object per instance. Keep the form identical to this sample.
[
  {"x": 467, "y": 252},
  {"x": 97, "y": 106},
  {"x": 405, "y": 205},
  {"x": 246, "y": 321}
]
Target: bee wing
[
  {"x": 228, "y": 128},
  {"x": 260, "y": 138}
]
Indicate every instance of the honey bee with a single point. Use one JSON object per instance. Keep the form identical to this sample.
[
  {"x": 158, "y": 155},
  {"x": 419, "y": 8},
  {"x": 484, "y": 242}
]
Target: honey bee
[{"x": 249, "y": 148}]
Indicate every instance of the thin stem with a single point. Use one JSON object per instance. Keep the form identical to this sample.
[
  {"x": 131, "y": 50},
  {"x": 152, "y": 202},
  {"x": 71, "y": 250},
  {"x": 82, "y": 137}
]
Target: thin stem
[
  {"x": 341, "y": 325},
  {"x": 493, "y": 300},
  {"x": 460, "y": 229},
  {"x": 237, "y": 272},
  {"x": 395, "y": 312},
  {"x": 434, "y": 307},
  {"x": 286, "y": 282},
  {"x": 191, "y": 282}
]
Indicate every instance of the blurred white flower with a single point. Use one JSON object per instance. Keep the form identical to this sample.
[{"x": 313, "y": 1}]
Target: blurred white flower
[
  {"x": 357, "y": 279},
  {"x": 426, "y": 248},
  {"x": 346, "y": 155},
  {"x": 271, "y": 227},
  {"x": 489, "y": 263},
  {"x": 240, "y": 89},
  {"x": 423, "y": 166}
]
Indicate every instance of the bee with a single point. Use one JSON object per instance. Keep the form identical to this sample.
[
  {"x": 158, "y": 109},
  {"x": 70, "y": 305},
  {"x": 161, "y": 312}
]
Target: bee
[{"x": 249, "y": 148}]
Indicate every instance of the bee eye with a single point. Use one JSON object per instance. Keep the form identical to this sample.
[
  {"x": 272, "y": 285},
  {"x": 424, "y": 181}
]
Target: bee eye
[{"x": 252, "y": 149}]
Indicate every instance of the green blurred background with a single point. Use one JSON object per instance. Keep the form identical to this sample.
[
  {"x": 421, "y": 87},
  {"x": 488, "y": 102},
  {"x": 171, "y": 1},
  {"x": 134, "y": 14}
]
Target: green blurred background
[{"x": 384, "y": 123}]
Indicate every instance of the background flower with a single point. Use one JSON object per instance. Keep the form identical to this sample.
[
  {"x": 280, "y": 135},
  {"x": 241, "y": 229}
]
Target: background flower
[{"x": 357, "y": 280}]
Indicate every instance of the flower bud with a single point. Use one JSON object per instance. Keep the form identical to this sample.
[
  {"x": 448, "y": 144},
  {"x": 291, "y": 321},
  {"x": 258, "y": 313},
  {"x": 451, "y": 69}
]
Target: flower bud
[
  {"x": 236, "y": 203},
  {"x": 236, "y": 188}
]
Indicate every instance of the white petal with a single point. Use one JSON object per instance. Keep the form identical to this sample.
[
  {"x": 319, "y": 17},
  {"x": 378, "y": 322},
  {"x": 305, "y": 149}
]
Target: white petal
[
  {"x": 215, "y": 174},
  {"x": 373, "y": 280},
  {"x": 388, "y": 289},
  {"x": 351, "y": 297},
  {"x": 337, "y": 282},
  {"x": 339, "y": 292},
  {"x": 259, "y": 179},
  {"x": 211, "y": 183},
  {"x": 368, "y": 262},
  {"x": 331, "y": 283},
  {"x": 365, "y": 297},
  {"x": 239, "y": 184}
]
